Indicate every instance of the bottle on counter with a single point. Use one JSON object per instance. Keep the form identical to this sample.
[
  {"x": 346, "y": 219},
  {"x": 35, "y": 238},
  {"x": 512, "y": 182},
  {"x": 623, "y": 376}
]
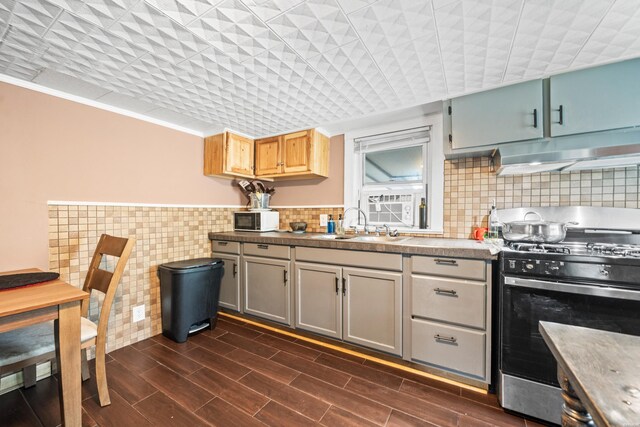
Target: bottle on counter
[
  {"x": 340, "y": 226},
  {"x": 331, "y": 225},
  {"x": 423, "y": 213},
  {"x": 494, "y": 223}
]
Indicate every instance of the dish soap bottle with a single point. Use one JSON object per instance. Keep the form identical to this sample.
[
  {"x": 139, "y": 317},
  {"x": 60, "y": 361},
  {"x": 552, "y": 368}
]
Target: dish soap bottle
[
  {"x": 340, "y": 226},
  {"x": 331, "y": 225},
  {"x": 494, "y": 222},
  {"x": 423, "y": 213}
]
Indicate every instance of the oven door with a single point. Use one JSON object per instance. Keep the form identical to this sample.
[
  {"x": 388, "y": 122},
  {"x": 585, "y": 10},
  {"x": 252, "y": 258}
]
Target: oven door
[
  {"x": 246, "y": 221},
  {"x": 525, "y": 302}
]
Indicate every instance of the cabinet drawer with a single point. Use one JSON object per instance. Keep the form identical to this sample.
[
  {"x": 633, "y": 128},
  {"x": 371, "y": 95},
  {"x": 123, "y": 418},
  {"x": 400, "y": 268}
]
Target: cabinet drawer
[
  {"x": 449, "y": 347},
  {"x": 449, "y": 300},
  {"x": 271, "y": 251},
  {"x": 221, "y": 246},
  {"x": 452, "y": 267}
]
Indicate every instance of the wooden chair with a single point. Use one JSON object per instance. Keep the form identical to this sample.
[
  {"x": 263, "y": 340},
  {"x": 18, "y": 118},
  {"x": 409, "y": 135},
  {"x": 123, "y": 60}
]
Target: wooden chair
[{"x": 23, "y": 348}]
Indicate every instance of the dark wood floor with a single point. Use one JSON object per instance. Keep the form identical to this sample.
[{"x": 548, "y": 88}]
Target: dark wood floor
[{"x": 241, "y": 375}]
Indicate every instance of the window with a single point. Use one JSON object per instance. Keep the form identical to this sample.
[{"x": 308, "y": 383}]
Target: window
[{"x": 391, "y": 169}]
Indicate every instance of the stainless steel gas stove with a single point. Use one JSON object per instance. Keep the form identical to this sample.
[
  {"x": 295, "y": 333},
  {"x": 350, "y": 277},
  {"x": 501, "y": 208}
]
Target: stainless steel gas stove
[{"x": 590, "y": 279}]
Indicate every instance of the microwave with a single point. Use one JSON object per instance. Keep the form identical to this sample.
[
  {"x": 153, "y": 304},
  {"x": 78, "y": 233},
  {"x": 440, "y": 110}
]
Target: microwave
[{"x": 256, "y": 221}]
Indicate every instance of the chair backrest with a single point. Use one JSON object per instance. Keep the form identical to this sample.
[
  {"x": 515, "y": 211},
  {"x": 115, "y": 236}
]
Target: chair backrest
[{"x": 106, "y": 281}]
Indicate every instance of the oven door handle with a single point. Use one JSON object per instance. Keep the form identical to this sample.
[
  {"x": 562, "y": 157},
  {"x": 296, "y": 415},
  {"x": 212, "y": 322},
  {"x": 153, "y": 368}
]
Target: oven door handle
[{"x": 591, "y": 290}]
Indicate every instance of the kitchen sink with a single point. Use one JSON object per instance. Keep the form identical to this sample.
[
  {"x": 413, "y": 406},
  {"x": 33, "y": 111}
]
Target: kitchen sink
[
  {"x": 365, "y": 238},
  {"x": 332, "y": 237},
  {"x": 380, "y": 239}
]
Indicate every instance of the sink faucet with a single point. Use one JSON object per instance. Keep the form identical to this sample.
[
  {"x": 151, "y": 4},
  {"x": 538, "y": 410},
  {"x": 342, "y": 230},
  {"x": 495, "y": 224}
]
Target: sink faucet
[
  {"x": 390, "y": 233},
  {"x": 364, "y": 215}
]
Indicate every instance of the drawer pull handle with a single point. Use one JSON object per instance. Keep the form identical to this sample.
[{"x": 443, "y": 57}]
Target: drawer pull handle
[
  {"x": 235, "y": 269},
  {"x": 223, "y": 243},
  {"x": 440, "y": 338},
  {"x": 263, "y": 246},
  {"x": 446, "y": 291},
  {"x": 446, "y": 261}
]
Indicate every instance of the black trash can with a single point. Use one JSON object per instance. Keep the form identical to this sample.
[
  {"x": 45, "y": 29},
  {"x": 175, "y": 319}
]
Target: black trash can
[{"x": 189, "y": 292}]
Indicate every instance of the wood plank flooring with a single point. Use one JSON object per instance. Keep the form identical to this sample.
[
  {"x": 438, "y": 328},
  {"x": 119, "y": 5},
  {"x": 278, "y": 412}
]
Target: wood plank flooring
[{"x": 240, "y": 375}]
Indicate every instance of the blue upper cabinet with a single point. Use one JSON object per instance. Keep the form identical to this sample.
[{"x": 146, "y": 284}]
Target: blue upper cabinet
[
  {"x": 510, "y": 113},
  {"x": 595, "y": 99}
]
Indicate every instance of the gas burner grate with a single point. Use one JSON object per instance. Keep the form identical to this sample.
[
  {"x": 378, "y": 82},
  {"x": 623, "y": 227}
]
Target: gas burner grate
[
  {"x": 541, "y": 248},
  {"x": 625, "y": 251}
]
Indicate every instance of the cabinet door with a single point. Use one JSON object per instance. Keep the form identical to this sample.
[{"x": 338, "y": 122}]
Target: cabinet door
[
  {"x": 600, "y": 98},
  {"x": 511, "y": 113},
  {"x": 266, "y": 288},
  {"x": 268, "y": 156},
  {"x": 319, "y": 299},
  {"x": 230, "y": 284},
  {"x": 238, "y": 154},
  {"x": 296, "y": 152},
  {"x": 372, "y": 307}
]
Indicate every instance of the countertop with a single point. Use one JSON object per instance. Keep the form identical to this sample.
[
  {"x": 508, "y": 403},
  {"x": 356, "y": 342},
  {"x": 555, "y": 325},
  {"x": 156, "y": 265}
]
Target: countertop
[
  {"x": 603, "y": 369},
  {"x": 460, "y": 248}
]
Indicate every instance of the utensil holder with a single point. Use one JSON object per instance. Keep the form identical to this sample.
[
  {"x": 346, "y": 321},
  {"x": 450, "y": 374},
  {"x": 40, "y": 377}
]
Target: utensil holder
[{"x": 259, "y": 200}]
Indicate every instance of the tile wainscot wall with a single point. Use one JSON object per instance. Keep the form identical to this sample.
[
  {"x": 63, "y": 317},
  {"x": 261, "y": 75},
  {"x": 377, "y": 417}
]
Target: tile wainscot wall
[{"x": 165, "y": 234}]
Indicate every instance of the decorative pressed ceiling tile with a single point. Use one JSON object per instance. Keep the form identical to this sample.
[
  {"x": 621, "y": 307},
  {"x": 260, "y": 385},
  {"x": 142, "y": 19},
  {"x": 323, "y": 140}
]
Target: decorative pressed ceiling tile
[{"x": 267, "y": 66}]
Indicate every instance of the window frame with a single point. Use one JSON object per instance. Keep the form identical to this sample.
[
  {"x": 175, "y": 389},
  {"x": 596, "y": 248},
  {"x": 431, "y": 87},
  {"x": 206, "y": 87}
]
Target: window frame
[{"x": 433, "y": 172}]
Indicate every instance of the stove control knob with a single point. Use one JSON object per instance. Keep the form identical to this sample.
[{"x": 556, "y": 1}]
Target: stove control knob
[
  {"x": 529, "y": 266},
  {"x": 554, "y": 268}
]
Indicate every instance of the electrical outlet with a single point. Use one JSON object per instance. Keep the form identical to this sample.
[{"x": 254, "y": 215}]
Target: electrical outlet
[
  {"x": 137, "y": 313},
  {"x": 323, "y": 220}
]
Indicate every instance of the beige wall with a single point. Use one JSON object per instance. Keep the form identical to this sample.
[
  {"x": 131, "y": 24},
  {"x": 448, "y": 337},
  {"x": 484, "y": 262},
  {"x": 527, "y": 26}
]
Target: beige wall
[
  {"x": 54, "y": 149},
  {"x": 321, "y": 191}
]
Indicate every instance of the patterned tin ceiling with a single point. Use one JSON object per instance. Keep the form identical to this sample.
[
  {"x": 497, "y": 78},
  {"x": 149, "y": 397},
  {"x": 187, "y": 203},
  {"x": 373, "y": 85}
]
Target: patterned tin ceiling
[{"x": 267, "y": 66}]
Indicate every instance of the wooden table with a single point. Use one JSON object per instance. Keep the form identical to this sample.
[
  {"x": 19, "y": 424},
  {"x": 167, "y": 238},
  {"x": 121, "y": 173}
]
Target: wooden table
[
  {"x": 58, "y": 301},
  {"x": 599, "y": 373}
]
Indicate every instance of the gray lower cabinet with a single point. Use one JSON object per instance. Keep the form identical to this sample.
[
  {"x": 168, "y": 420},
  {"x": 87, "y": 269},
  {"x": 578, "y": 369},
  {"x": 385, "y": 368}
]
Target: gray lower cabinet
[
  {"x": 358, "y": 305},
  {"x": 319, "y": 299},
  {"x": 230, "y": 289},
  {"x": 266, "y": 288},
  {"x": 230, "y": 283},
  {"x": 372, "y": 307},
  {"x": 449, "y": 315}
]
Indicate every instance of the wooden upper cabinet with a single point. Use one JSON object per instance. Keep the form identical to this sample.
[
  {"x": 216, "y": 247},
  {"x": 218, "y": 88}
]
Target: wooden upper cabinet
[
  {"x": 268, "y": 156},
  {"x": 298, "y": 155},
  {"x": 296, "y": 150},
  {"x": 239, "y": 158},
  {"x": 228, "y": 155}
]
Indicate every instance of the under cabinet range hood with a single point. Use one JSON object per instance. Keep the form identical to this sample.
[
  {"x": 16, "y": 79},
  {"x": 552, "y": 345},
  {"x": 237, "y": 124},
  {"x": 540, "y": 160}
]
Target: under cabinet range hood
[{"x": 609, "y": 149}]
